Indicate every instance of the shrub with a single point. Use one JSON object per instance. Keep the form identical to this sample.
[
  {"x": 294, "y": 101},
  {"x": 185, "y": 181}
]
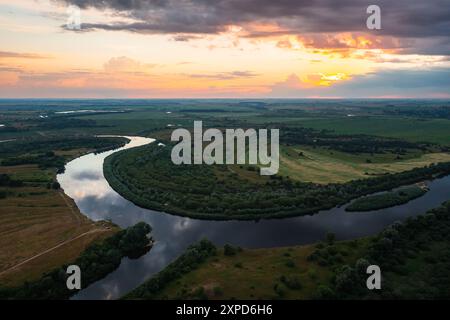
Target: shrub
[
  {"x": 291, "y": 282},
  {"x": 324, "y": 293},
  {"x": 290, "y": 263},
  {"x": 229, "y": 250},
  {"x": 218, "y": 291}
]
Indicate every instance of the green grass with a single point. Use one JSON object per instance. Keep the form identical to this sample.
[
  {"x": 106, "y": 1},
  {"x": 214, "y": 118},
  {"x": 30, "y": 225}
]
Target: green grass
[
  {"x": 415, "y": 130},
  {"x": 253, "y": 273},
  {"x": 323, "y": 166}
]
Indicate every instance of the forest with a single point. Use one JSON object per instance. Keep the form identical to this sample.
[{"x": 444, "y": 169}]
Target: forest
[{"x": 414, "y": 257}]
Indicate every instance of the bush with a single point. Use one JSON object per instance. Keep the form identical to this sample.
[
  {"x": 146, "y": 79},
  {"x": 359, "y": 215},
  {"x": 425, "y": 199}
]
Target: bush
[
  {"x": 229, "y": 250},
  {"x": 218, "y": 291},
  {"x": 291, "y": 282},
  {"x": 330, "y": 238},
  {"x": 346, "y": 279},
  {"x": 312, "y": 274},
  {"x": 290, "y": 263},
  {"x": 324, "y": 293},
  {"x": 56, "y": 185},
  {"x": 278, "y": 290},
  {"x": 6, "y": 181}
]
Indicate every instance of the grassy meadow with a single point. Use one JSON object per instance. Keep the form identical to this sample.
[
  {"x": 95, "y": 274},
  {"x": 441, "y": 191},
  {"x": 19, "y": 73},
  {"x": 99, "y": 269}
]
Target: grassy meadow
[
  {"x": 259, "y": 273},
  {"x": 330, "y": 166}
]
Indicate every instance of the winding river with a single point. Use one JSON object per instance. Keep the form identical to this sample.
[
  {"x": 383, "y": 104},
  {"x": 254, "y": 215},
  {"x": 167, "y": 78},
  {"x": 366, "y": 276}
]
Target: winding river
[{"x": 83, "y": 180}]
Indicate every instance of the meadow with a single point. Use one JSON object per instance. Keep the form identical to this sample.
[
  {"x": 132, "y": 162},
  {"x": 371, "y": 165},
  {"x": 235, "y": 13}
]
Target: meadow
[{"x": 303, "y": 163}]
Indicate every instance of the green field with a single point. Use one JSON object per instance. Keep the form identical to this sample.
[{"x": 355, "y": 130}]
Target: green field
[
  {"x": 411, "y": 129},
  {"x": 329, "y": 166},
  {"x": 259, "y": 273}
]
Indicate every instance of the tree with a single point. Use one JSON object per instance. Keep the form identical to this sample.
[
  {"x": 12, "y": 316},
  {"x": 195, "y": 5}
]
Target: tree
[
  {"x": 56, "y": 185},
  {"x": 330, "y": 238},
  {"x": 229, "y": 250},
  {"x": 324, "y": 293},
  {"x": 346, "y": 279}
]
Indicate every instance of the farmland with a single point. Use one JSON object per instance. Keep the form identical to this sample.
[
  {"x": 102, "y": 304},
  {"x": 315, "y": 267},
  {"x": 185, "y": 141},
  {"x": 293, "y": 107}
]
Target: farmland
[{"x": 40, "y": 227}]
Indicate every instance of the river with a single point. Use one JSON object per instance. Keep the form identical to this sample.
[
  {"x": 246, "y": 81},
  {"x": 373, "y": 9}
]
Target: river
[{"x": 83, "y": 181}]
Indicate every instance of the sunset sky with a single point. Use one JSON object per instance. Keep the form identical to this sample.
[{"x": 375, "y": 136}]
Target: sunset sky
[{"x": 224, "y": 49}]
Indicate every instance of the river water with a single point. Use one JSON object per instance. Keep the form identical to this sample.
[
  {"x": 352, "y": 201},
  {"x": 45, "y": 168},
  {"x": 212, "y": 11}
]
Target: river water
[{"x": 83, "y": 180}]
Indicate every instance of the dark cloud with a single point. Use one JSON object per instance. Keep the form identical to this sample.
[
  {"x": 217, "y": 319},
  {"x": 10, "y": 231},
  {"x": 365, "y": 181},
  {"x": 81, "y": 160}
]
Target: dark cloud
[
  {"x": 400, "y": 18},
  {"x": 429, "y": 20}
]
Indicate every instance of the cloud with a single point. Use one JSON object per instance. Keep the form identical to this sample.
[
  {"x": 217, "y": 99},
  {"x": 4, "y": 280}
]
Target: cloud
[
  {"x": 21, "y": 55},
  {"x": 412, "y": 27},
  {"x": 125, "y": 64},
  {"x": 117, "y": 72},
  {"x": 427, "y": 83},
  {"x": 401, "y": 17},
  {"x": 224, "y": 75},
  {"x": 184, "y": 37}
]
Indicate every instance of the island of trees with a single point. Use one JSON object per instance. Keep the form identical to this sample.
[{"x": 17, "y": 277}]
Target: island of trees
[{"x": 387, "y": 199}]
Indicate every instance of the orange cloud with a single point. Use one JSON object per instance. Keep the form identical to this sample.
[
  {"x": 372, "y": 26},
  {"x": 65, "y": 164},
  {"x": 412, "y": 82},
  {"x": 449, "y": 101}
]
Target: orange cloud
[
  {"x": 312, "y": 80},
  {"x": 345, "y": 45}
]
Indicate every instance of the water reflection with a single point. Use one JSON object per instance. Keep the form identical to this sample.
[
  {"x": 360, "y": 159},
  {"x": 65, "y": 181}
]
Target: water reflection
[{"x": 83, "y": 180}]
